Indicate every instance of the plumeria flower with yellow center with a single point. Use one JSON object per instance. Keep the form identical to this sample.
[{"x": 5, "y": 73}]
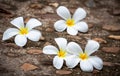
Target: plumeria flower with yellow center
[
  {"x": 23, "y": 32},
  {"x": 86, "y": 61},
  {"x": 73, "y": 24},
  {"x": 61, "y": 53}
]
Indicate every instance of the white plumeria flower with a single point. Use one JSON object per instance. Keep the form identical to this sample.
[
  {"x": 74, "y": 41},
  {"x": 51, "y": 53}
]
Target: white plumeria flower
[
  {"x": 73, "y": 24},
  {"x": 87, "y": 62},
  {"x": 61, "y": 53},
  {"x": 23, "y": 32}
]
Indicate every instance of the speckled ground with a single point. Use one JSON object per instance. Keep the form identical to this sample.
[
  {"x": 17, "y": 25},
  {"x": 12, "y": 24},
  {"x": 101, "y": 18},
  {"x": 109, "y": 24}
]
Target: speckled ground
[{"x": 103, "y": 18}]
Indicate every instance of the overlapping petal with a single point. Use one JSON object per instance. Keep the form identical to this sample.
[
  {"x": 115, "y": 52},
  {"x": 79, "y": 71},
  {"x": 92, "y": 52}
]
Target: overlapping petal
[
  {"x": 72, "y": 61},
  {"x": 86, "y": 66},
  {"x": 34, "y": 35},
  {"x": 60, "y": 25},
  {"x": 50, "y": 50},
  {"x": 58, "y": 62},
  {"x": 79, "y": 14},
  {"x": 81, "y": 26},
  {"x": 63, "y": 12},
  {"x": 96, "y": 62},
  {"x": 61, "y": 42},
  {"x": 91, "y": 47},
  {"x": 10, "y": 33},
  {"x": 72, "y": 31},
  {"x": 74, "y": 48},
  {"x": 33, "y": 23},
  {"x": 20, "y": 40},
  {"x": 18, "y": 22}
]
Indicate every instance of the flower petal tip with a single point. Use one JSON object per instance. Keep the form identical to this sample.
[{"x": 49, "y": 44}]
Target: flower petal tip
[
  {"x": 63, "y": 12},
  {"x": 18, "y": 22}
]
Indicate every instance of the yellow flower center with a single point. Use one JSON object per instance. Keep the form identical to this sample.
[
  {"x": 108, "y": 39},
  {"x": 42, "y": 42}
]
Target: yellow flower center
[
  {"x": 83, "y": 56},
  {"x": 23, "y": 31},
  {"x": 62, "y": 53},
  {"x": 70, "y": 22}
]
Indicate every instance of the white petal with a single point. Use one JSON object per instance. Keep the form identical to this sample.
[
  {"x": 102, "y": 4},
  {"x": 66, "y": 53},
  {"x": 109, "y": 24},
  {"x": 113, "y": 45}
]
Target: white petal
[
  {"x": 18, "y": 22},
  {"x": 57, "y": 62},
  {"x": 63, "y": 12},
  {"x": 50, "y": 50},
  {"x": 72, "y": 61},
  {"x": 10, "y": 33},
  {"x": 20, "y": 40},
  {"x": 81, "y": 26},
  {"x": 74, "y": 48},
  {"x": 79, "y": 14},
  {"x": 72, "y": 31},
  {"x": 86, "y": 66},
  {"x": 33, "y": 23},
  {"x": 96, "y": 62},
  {"x": 60, "y": 25},
  {"x": 91, "y": 47},
  {"x": 61, "y": 42},
  {"x": 34, "y": 35}
]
